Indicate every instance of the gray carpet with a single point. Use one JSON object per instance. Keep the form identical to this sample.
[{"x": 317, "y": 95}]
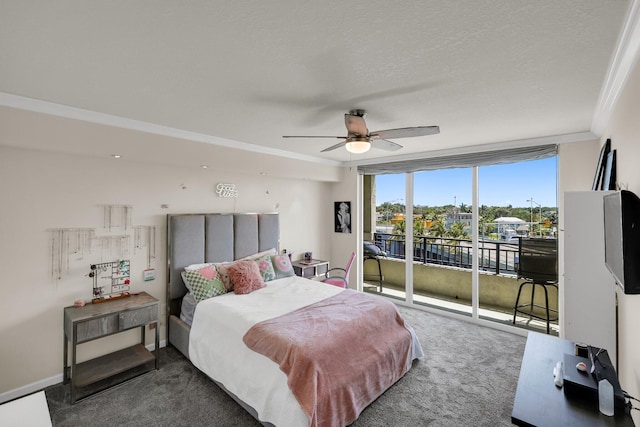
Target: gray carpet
[{"x": 467, "y": 378}]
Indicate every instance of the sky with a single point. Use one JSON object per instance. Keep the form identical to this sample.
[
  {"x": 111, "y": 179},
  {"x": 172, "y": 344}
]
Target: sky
[{"x": 500, "y": 185}]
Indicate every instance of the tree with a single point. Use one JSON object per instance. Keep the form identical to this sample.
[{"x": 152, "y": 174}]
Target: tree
[
  {"x": 438, "y": 228},
  {"x": 458, "y": 231},
  {"x": 388, "y": 210},
  {"x": 418, "y": 227},
  {"x": 399, "y": 228}
]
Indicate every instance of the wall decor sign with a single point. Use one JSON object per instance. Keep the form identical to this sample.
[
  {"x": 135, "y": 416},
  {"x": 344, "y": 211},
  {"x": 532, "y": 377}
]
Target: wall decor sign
[
  {"x": 226, "y": 190},
  {"x": 342, "y": 217}
]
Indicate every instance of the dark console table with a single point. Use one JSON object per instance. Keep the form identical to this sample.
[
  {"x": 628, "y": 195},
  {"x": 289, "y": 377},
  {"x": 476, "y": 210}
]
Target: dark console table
[
  {"x": 95, "y": 321},
  {"x": 539, "y": 402}
]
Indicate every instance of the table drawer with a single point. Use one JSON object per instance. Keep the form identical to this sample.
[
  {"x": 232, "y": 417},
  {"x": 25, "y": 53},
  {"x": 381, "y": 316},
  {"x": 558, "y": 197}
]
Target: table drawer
[
  {"x": 138, "y": 317},
  {"x": 321, "y": 269},
  {"x": 96, "y": 328}
]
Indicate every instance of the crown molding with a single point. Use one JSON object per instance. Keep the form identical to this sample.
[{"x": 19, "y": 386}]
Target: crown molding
[
  {"x": 624, "y": 58},
  {"x": 45, "y": 107}
]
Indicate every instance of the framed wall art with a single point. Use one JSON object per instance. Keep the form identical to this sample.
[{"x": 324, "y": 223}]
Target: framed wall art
[
  {"x": 609, "y": 178},
  {"x": 598, "y": 179},
  {"x": 342, "y": 217}
]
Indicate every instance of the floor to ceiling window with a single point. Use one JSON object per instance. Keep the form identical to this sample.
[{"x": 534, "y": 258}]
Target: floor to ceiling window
[
  {"x": 442, "y": 239},
  {"x": 461, "y": 258},
  {"x": 516, "y": 200},
  {"x": 389, "y": 236}
]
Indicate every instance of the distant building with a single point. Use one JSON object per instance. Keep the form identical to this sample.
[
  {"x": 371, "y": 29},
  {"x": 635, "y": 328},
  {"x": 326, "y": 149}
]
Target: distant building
[
  {"x": 463, "y": 217},
  {"x": 510, "y": 228}
]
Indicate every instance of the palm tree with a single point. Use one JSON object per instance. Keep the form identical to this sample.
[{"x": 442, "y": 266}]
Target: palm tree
[
  {"x": 458, "y": 231},
  {"x": 418, "y": 227},
  {"x": 438, "y": 228},
  {"x": 399, "y": 228}
]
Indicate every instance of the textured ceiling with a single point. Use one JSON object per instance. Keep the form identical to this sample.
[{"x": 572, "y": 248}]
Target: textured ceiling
[{"x": 252, "y": 71}]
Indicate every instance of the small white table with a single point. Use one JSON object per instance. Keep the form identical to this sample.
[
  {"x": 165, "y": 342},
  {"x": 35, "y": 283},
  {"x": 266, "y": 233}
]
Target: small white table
[{"x": 28, "y": 411}]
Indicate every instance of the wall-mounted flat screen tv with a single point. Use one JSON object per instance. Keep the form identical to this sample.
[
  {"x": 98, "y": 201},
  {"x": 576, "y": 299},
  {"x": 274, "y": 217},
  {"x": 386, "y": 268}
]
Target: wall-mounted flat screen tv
[{"x": 622, "y": 239}]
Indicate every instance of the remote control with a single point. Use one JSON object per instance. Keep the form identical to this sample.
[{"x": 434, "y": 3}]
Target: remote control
[{"x": 558, "y": 375}]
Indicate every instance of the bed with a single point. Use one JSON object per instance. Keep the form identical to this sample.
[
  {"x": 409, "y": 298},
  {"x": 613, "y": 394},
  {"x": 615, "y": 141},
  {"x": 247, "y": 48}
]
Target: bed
[{"x": 232, "y": 338}]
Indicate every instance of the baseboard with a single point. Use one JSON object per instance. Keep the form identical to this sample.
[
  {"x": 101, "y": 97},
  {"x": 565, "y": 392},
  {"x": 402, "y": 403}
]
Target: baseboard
[
  {"x": 151, "y": 347},
  {"x": 30, "y": 388},
  {"x": 47, "y": 382}
]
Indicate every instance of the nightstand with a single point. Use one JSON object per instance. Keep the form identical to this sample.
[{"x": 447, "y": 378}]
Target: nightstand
[
  {"x": 94, "y": 321},
  {"x": 310, "y": 269}
]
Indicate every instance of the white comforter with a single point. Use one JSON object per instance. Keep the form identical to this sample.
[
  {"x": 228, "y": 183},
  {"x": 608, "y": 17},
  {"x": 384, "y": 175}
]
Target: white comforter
[{"x": 216, "y": 347}]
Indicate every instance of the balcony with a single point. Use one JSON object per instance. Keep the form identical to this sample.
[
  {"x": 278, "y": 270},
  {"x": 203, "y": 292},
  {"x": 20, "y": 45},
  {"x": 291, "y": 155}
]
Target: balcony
[{"x": 442, "y": 277}]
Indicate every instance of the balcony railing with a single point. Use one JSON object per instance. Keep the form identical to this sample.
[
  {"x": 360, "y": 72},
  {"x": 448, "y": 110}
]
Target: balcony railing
[{"x": 493, "y": 256}]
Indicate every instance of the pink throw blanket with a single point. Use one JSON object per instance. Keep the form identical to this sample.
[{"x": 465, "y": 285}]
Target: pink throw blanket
[{"x": 339, "y": 354}]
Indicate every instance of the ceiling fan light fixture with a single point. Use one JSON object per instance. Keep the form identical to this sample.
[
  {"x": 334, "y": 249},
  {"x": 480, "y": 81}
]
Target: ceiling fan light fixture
[
  {"x": 358, "y": 139},
  {"x": 357, "y": 145}
]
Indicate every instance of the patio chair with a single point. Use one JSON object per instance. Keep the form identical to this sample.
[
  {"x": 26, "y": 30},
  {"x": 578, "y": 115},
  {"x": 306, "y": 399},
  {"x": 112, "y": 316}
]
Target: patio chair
[
  {"x": 339, "y": 276},
  {"x": 372, "y": 252},
  {"x": 538, "y": 266}
]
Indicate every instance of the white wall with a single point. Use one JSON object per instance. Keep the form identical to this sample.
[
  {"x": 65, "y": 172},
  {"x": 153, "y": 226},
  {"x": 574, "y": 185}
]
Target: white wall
[
  {"x": 577, "y": 166},
  {"x": 343, "y": 244},
  {"x": 624, "y": 130},
  {"x": 43, "y": 190}
]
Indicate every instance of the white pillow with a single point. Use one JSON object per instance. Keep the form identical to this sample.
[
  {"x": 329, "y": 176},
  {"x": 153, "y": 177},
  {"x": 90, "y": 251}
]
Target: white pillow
[
  {"x": 198, "y": 266},
  {"x": 271, "y": 251}
]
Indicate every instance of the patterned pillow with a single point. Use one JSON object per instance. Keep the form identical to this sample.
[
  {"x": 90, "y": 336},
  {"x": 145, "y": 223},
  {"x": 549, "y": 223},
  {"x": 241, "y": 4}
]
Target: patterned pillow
[
  {"x": 204, "y": 283},
  {"x": 282, "y": 266},
  {"x": 245, "y": 277},
  {"x": 224, "y": 276},
  {"x": 266, "y": 268}
]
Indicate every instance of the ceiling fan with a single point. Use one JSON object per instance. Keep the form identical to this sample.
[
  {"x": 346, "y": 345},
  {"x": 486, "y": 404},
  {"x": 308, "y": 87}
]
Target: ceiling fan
[{"x": 359, "y": 139}]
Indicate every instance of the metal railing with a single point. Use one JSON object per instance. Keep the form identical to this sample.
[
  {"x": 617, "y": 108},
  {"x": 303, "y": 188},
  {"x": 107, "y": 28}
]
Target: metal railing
[{"x": 493, "y": 256}]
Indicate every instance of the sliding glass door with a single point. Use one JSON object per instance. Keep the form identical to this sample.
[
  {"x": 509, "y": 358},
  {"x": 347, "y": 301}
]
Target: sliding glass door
[
  {"x": 385, "y": 272},
  {"x": 442, "y": 231},
  {"x": 517, "y": 201},
  {"x": 450, "y": 237}
]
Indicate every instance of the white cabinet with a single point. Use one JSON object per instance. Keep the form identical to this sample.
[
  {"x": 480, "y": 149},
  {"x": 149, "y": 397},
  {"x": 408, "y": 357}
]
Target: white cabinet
[{"x": 588, "y": 292}]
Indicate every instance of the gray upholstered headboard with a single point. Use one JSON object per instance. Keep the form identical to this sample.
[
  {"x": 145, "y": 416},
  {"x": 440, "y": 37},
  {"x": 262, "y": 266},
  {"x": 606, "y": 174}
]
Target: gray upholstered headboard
[{"x": 200, "y": 238}]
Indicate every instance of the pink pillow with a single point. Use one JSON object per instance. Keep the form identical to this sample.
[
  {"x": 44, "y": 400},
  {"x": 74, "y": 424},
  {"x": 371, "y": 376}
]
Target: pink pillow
[{"x": 245, "y": 276}]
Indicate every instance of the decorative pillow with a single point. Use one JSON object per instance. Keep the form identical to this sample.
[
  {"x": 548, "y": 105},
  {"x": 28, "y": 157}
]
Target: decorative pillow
[
  {"x": 204, "y": 283},
  {"x": 371, "y": 249},
  {"x": 282, "y": 266},
  {"x": 222, "y": 272},
  {"x": 245, "y": 277},
  {"x": 224, "y": 275},
  {"x": 266, "y": 268}
]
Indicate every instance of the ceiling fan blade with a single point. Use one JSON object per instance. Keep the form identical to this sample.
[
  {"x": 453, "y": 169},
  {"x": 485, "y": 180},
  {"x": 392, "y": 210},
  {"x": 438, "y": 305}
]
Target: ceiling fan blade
[
  {"x": 385, "y": 145},
  {"x": 405, "y": 132},
  {"x": 355, "y": 125},
  {"x": 333, "y": 147},
  {"x": 313, "y": 136}
]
